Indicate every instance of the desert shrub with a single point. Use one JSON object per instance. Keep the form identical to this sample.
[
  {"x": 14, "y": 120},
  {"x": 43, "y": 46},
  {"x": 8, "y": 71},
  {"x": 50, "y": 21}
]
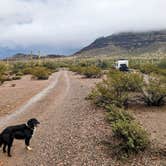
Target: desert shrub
[
  {"x": 162, "y": 64},
  {"x": 148, "y": 68},
  {"x": 18, "y": 67},
  {"x": 153, "y": 69},
  {"x": 106, "y": 93},
  {"x": 76, "y": 69},
  {"x": 116, "y": 114},
  {"x": 2, "y": 79},
  {"x": 104, "y": 64},
  {"x": 3, "y": 69},
  {"x": 133, "y": 138},
  {"x": 91, "y": 72},
  {"x": 27, "y": 70},
  {"x": 154, "y": 92},
  {"x": 40, "y": 73},
  {"x": 16, "y": 77},
  {"x": 115, "y": 89},
  {"x": 51, "y": 65},
  {"x": 126, "y": 81},
  {"x": 19, "y": 73}
]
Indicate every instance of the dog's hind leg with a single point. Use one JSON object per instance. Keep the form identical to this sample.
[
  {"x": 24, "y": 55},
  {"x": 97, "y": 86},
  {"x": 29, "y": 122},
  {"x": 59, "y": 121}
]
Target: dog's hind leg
[{"x": 4, "y": 148}]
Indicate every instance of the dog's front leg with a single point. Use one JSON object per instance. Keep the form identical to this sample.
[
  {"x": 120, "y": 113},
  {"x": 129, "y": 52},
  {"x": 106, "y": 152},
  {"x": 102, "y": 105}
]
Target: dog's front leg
[
  {"x": 27, "y": 142},
  {"x": 8, "y": 150},
  {"x": 9, "y": 146}
]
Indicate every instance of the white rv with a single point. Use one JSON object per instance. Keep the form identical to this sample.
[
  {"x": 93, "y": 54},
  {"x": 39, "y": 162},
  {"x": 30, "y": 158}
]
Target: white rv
[{"x": 121, "y": 63}]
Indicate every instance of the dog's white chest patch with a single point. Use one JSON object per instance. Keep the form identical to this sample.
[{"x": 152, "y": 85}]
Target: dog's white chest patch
[{"x": 34, "y": 130}]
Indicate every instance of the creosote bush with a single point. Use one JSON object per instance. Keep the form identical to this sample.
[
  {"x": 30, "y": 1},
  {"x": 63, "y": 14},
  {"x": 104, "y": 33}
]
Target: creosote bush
[
  {"x": 115, "y": 114},
  {"x": 87, "y": 71},
  {"x": 132, "y": 137},
  {"x": 91, "y": 72},
  {"x": 3, "y": 69},
  {"x": 41, "y": 73},
  {"x": 154, "y": 92},
  {"x": 116, "y": 89}
]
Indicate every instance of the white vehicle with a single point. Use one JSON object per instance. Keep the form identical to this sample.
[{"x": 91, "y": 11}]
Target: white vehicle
[{"x": 122, "y": 64}]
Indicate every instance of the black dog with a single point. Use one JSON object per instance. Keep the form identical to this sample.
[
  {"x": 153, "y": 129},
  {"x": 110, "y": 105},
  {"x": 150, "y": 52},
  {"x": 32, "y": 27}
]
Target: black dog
[{"x": 23, "y": 131}]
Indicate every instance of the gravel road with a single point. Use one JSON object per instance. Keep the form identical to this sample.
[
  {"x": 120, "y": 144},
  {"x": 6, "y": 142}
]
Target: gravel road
[{"x": 71, "y": 131}]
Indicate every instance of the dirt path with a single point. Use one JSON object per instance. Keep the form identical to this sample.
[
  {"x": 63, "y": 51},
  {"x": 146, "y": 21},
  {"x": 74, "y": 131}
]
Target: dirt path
[{"x": 68, "y": 134}]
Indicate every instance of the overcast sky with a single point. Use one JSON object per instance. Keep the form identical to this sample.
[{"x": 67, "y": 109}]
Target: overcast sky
[{"x": 64, "y": 26}]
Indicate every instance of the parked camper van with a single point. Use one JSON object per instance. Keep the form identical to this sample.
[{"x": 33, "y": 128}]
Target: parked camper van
[{"x": 122, "y": 64}]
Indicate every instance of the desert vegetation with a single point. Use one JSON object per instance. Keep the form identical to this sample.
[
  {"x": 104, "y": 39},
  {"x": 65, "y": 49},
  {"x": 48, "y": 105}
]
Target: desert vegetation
[
  {"x": 118, "y": 91},
  {"x": 132, "y": 137},
  {"x": 38, "y": 69}
]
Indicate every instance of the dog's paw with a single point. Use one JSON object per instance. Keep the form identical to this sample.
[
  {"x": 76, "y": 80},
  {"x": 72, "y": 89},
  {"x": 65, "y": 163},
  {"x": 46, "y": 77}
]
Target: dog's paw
[
  {"x": 28, "y": 148},
  {"x": 9, "y": 155}
]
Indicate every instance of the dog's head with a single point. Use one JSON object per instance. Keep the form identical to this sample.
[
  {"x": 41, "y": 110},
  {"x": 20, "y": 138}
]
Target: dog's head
[{"x": 32, "y": 123}]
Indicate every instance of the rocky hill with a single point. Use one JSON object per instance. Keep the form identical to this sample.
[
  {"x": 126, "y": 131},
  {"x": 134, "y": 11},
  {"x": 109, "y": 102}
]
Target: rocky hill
[{"x": 126, "y": 43}]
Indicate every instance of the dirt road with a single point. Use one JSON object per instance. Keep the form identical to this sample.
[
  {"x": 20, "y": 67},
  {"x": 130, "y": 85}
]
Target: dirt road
[{"x": 70, "y": 132}]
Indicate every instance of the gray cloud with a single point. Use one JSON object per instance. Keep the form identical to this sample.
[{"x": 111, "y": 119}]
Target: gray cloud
[{"x": 66, "y": 25}]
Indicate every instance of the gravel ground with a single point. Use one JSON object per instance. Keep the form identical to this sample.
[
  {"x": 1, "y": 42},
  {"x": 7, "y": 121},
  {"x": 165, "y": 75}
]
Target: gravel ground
[{"x": 72, "y": 132}]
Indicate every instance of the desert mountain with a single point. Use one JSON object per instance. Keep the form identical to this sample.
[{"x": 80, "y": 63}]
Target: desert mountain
[{"x": 127, "y": 43}]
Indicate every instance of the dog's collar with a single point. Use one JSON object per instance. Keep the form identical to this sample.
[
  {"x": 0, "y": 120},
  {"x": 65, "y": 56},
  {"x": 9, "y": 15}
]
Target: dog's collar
[{"x": 29, "y": 127}]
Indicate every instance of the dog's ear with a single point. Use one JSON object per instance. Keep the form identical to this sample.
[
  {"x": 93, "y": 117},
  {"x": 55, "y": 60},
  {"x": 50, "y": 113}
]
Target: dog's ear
[
  {"x": 30, "y": 123},
  {"x": 33, "y": 122}
]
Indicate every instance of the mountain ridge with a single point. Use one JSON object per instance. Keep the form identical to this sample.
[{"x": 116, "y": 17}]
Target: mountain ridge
[{"x": 127, "y": 42}]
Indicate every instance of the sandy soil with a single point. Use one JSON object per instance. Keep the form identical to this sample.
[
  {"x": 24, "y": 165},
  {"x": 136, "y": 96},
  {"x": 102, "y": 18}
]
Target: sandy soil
[
  {"x": 13, "y": 97},
  {"x": 72, "y": 131},
  {"x": 153, "y": 119}
]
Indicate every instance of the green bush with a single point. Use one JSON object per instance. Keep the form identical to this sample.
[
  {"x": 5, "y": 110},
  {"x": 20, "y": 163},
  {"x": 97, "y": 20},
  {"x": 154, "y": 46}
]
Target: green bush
[
  {"x": 16, "y": 77},
  {"x": 116, "y": 88},
  {"x": 77, "y": 69},
  {"x": 40, "y": 73},
  {"x": 91, "y": 72},
  {"x": 115, "y": 114},
  {"x": 18, "y": 67},
  {"x": 19, "y": 74},
  {"x": 51, "y": 65},
  {"x": 162, "y": 64},
  {"x": 133, "y": 138},
  {"x": 104, "y": 64},
  {"x": 106, "y": 93},
  {"x": 149, "y": 69},
  {"x": 126, "y": 81},
  {"x": 27, "y": 70},
  {"x": 154, "y": 92},
  {"x": 3, "y": 69}
]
